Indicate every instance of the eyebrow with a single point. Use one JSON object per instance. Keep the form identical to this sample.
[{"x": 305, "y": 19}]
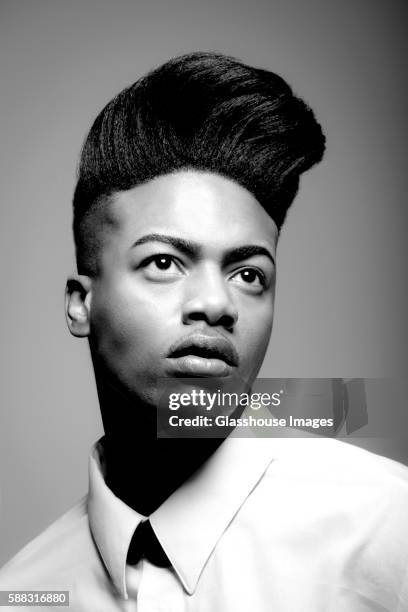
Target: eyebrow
[{"x": 192, "y": 249}]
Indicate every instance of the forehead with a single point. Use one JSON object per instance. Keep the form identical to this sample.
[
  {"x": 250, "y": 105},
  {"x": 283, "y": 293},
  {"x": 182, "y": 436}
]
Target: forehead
[{"x": 203, "y": 207}]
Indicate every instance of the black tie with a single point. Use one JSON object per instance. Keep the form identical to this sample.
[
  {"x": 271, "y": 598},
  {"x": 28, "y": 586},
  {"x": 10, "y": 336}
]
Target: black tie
[{"x": 144, "y": 543}]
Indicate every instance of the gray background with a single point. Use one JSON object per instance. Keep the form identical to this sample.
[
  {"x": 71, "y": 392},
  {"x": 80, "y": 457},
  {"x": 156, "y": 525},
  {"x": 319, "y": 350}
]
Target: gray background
[{"x": 342, "y": 281}]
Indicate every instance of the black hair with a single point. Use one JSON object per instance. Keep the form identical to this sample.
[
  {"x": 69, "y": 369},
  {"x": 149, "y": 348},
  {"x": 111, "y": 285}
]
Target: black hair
[{"x": 202, "y": 111}]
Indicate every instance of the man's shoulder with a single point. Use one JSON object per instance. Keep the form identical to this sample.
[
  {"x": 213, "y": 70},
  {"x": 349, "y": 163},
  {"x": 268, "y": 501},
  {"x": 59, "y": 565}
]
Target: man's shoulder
[
  {"x": 355, "y": 464},
  {"x": 65, "y": 544},
  {"x": 335, "y": 480},
  {"x": 333, "y": 477},
  {"x": 332, "y": 459}
]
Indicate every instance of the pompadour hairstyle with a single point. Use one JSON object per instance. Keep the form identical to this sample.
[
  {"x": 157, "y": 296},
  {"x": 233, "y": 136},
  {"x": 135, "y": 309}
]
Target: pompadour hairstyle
[{"x": 202, "y": 111}]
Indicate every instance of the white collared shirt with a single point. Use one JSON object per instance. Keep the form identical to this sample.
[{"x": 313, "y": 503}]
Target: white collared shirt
[{"x": 280, "y": 525}]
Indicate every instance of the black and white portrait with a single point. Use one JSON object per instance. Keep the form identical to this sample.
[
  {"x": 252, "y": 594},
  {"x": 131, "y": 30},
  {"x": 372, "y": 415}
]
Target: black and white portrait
[{"x": 198, "y": 197}]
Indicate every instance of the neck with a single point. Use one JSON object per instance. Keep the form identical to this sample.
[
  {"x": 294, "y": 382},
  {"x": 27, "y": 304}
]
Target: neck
[{"x": 142, "y": 470}]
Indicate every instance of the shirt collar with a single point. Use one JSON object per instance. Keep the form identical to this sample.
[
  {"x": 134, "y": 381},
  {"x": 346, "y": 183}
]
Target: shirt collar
[
  {"x": 191, "y": 521},
  {"x": 112, "y": 522}
]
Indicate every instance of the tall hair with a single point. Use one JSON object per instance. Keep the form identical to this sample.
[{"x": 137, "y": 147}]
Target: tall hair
[{"x": 203, "y": 111}]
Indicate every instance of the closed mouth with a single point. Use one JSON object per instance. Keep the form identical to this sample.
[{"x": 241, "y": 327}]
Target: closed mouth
[{"x": 206, "y": 347}]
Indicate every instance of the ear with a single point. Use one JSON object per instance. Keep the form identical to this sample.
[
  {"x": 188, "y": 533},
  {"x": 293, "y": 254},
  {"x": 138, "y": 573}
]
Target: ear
[{"x": 78, "y": 295}]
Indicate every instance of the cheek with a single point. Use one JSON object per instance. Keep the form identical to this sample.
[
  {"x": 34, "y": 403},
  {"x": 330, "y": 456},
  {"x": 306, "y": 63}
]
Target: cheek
[
  {"x": 127, "y": 325},
  {"x": 258, "y": 328}
]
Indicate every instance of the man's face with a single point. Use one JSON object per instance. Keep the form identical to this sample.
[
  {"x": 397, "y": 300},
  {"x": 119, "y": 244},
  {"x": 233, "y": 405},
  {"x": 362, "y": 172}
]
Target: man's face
[{"x": 186, "y": 284}]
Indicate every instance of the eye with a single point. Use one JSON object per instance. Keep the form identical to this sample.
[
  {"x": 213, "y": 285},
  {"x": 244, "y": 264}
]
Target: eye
[
  {"x": 251, "y": 277},
  {"x": 162, "y": 265}
]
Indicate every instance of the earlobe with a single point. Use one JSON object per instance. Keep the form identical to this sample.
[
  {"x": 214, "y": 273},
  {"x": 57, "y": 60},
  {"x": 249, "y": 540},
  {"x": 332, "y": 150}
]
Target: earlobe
[{"x": 78, "y": 295}]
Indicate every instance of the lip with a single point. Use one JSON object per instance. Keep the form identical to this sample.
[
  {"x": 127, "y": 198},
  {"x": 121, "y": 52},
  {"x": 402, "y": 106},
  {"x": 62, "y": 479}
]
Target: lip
[{"x": 202, "y": 355}]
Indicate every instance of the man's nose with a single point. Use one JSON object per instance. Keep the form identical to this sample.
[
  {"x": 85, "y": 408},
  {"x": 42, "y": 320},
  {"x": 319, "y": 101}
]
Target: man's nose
[{"x": 208, "y": 299}]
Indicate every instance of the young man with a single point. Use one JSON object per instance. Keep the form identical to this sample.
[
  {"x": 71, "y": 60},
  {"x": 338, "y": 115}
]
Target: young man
[{"x": 184, "y": 182}]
